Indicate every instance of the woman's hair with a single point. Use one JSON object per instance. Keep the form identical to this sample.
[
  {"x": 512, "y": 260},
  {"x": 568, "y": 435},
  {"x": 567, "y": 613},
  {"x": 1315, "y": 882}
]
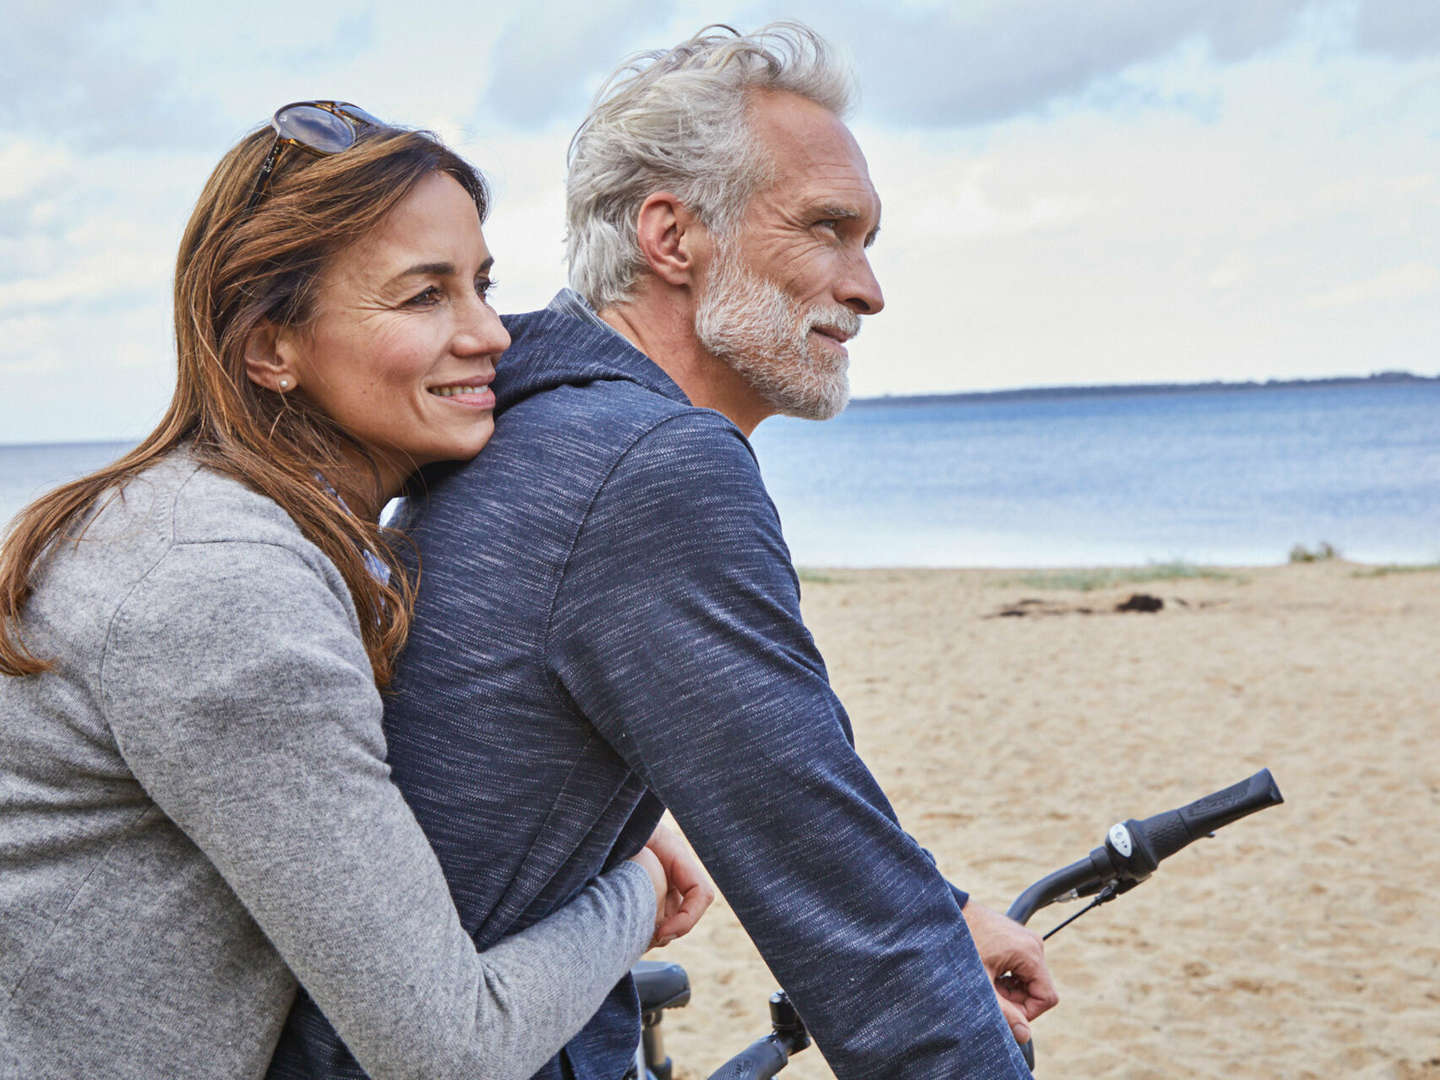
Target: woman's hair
[
  {"x": 238, "y": 267},
  {"x": 675, "y": 120}
]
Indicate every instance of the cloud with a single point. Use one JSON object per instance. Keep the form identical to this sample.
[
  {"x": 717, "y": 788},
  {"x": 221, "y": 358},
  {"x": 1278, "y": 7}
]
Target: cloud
[
  {"x": 544, "y": 65},
  {"x": 1078, "y": 246},
  {"x": 1113, "y": 190},
  {"x": 934, "y": 65},
  {"x": 74, "y": 75},
  {"x": 1409, "y": 282},
  {"x": 1402, "y": 28},
  {"x": 978, "y": 63}
]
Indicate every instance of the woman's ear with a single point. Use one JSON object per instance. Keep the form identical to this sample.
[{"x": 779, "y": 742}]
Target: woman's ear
[
  {"x": 672, "y": 239},
  {"x": 267, "y": 359}
]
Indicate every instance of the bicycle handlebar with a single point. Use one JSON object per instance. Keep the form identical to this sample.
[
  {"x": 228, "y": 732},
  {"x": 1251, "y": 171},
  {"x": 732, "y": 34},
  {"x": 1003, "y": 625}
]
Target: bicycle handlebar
[
  {"x": 765, "y": 1057},
  {"x": 1133, "y": 849},
  {"x": 1166, "y": 833},
  {"x": 1130, "y": 854}
]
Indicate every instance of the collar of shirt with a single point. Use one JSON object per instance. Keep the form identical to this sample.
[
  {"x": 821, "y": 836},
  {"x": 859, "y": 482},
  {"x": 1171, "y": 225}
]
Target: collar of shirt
[{"x": 569, "y": 302}]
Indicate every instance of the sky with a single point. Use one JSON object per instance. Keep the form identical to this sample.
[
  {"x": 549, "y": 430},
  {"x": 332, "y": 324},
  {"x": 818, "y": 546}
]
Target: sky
[{"x": 1107, "y": 192}]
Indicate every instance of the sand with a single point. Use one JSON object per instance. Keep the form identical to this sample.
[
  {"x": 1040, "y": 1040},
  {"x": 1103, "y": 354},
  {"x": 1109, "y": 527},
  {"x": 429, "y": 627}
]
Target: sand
[{"x": 1303, "y": 942}]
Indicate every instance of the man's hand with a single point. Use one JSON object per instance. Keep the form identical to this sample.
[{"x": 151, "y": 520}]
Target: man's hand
[
  {"x": 690, "y": 891},
  {"x": 1015, "y": 960}
]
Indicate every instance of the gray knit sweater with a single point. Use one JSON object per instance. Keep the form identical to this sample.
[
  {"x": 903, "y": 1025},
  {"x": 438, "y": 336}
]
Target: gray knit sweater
[{"x": 194, "y": 804}]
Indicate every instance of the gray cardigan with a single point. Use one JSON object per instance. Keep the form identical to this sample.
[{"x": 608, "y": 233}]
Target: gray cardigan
[{"x": 194, "y": 803}]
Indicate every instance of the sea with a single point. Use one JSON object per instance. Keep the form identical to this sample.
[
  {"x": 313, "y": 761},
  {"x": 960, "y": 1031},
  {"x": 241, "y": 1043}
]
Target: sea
[{"x": 1221, "y": 476}]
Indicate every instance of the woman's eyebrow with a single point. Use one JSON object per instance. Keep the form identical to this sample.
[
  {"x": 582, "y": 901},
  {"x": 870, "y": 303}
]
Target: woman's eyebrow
[
  {"x": 430, "y": 269},
  {"x": 438, "y": 269}
]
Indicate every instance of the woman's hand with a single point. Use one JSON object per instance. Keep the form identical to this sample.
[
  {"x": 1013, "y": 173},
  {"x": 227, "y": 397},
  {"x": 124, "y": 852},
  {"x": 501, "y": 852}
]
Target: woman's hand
[
  {"x": 648, "y": 859},
  {"x": 688, "y": 891}
]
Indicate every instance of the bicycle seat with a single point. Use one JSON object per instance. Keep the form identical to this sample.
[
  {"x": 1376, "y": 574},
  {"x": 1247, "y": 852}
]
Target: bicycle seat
[{"x": 660, "y": 985}]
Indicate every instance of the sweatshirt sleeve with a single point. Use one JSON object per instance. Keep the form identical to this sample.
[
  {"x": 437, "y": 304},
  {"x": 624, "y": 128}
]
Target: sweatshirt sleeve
[
  {"x": 239, "y": 693},
  {"x": 677, "y": 631}
]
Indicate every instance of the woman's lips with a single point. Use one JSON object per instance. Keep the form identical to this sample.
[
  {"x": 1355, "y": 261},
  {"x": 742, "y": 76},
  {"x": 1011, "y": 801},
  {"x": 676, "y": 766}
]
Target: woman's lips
[{"x": 475, "y": 394}]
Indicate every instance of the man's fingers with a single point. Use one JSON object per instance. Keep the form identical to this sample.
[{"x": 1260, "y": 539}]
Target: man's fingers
[
  {"x": 1015, "y": 1017},
  {"x": 1032, "y": 986}
]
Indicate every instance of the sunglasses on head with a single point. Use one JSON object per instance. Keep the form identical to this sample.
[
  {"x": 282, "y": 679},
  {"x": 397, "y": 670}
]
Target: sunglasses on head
[{"x": 319, "y": 127}]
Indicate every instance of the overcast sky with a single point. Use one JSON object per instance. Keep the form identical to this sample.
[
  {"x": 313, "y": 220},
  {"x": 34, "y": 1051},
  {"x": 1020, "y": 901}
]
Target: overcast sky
[{"x": 1114, "y": 191}]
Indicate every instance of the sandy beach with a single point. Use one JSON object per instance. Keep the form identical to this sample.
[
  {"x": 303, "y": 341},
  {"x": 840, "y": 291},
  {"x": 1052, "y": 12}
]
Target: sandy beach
[{"x": 1300, "y": 943}]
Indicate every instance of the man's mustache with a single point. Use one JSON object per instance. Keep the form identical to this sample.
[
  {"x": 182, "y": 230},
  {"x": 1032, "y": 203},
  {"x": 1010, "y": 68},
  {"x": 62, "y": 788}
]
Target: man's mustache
[{"x": 837, "y": 321}]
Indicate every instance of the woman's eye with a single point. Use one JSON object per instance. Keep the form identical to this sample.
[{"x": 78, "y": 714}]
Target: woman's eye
[
  {"x": 428, "y": 295},
  {"x": 484, "y": 287}
]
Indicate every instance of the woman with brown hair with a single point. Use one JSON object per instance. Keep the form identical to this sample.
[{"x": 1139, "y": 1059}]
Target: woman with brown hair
[{"x": 194, "y": 639}]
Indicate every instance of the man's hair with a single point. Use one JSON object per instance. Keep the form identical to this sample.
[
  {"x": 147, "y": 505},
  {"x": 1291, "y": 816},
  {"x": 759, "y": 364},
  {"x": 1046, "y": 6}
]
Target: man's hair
[{"x": 675, "y": 120}]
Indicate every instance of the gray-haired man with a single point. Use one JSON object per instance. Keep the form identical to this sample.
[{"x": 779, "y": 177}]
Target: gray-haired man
[{"x": 609, "y": 620}]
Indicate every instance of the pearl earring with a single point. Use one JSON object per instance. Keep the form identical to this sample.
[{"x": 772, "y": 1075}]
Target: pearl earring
[{"x": 284, "y": 383}]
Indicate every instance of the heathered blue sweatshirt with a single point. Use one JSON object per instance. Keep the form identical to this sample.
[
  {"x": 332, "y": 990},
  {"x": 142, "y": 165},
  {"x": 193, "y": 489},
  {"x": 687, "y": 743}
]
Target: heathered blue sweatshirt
[{"x": 608, "y": 621}]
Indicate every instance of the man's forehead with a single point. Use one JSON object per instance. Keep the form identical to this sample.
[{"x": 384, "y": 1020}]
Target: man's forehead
[{"x": 815, "y": 157}]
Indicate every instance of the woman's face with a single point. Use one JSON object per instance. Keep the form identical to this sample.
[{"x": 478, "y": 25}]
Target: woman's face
[{"x": 402, "y": 346}]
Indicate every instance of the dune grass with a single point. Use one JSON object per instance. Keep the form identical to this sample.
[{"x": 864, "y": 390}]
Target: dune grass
[
  {"x": 1321, "y": 552},
  {"x": 1087, "y": 579},
  {"x": 1386, "y": 569}
]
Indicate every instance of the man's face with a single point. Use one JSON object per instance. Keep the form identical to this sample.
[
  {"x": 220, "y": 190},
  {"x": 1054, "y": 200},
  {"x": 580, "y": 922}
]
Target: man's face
[{"x": 787, "y": 289}]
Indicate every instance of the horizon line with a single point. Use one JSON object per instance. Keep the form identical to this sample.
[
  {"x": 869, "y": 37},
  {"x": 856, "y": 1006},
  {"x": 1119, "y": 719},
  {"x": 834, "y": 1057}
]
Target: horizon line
[{"x": 1055, "y": 390}]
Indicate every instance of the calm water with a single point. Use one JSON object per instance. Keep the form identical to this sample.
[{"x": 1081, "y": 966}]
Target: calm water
[{"x": 1214, "y": 477}]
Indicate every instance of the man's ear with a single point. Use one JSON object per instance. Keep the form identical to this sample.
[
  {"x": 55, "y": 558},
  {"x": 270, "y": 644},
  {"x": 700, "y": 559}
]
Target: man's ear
[
  {"x": 675, "y": 243},
  {"x": 268, "y": 358}
]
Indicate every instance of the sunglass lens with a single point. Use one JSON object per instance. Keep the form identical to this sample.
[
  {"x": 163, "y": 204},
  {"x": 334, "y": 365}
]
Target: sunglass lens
[
  {"x": 315, "y": 128},
  {"x": 358, "y": 113}
]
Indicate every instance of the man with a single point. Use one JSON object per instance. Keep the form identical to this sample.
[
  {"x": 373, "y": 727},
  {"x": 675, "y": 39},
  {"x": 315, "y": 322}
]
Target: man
[{"x": 608, "y": 618}]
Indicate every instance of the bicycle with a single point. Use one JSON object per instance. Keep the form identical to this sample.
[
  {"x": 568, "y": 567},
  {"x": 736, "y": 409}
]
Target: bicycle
[{"x": 1132, "y": 851}]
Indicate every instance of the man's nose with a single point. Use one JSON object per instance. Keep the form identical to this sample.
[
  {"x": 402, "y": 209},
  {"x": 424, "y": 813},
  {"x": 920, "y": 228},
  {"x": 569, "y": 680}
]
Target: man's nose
[{"x": 862, "y": 293}]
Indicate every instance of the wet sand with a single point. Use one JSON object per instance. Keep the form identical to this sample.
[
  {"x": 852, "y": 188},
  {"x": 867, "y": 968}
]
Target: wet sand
[{"x": 1300, "y": 943}]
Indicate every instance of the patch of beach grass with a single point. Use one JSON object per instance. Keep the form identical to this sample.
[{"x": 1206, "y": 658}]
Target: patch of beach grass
[
  {"x": 1387, "y": 569},
  {"x": 1103, "y": 577},
  {"x": 1321, "y": 552},
  {"x": 815, "y": 577}
]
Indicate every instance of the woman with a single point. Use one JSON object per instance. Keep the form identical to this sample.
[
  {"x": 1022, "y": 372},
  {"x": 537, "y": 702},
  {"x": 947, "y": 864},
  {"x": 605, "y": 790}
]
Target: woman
[{"x": 197, "y": 808}]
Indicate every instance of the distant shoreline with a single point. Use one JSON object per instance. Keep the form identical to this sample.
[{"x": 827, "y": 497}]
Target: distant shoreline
[
  {"x": 1035, "y": 393},
  {"x": 1031, "y": 393}
]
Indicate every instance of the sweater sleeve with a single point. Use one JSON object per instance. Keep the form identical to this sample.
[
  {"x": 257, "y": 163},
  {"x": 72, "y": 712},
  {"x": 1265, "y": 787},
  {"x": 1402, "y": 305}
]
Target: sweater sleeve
[
  {"x": 242, "y": 699},
  {"x": 677, "y": 631}
]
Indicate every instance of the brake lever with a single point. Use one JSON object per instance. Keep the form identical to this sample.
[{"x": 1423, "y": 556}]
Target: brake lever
[{"x": 1112, "y": 889}]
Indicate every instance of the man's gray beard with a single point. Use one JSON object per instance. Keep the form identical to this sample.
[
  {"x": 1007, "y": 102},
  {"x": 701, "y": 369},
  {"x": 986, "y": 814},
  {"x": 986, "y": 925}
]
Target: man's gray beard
[{"x": 750, "y": 324}]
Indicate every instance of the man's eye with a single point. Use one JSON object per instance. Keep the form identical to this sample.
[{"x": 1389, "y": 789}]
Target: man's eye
[{"x": 833, "y": 224}]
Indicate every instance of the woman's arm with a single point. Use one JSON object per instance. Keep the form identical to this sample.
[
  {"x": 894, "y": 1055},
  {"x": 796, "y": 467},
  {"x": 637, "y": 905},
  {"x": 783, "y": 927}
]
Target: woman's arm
[{"x": 239, "y": 693}]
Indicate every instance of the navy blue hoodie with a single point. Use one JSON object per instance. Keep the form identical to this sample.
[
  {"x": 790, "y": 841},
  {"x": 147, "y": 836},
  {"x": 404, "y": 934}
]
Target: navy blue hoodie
[{"x": 608, "y": 620}]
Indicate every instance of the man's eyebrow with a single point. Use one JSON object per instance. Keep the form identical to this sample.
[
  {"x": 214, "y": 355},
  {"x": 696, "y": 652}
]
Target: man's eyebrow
[{"x": 846, "y": 213}]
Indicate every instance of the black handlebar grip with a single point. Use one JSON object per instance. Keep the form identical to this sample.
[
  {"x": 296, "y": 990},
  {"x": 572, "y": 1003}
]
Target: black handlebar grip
[
  {"x": 1164, "y": 834},
  {"x": 758, "y": 1061}
]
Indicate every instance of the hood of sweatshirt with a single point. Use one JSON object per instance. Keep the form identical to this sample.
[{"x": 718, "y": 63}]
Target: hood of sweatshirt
[{"x": 566, "y": 344}]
